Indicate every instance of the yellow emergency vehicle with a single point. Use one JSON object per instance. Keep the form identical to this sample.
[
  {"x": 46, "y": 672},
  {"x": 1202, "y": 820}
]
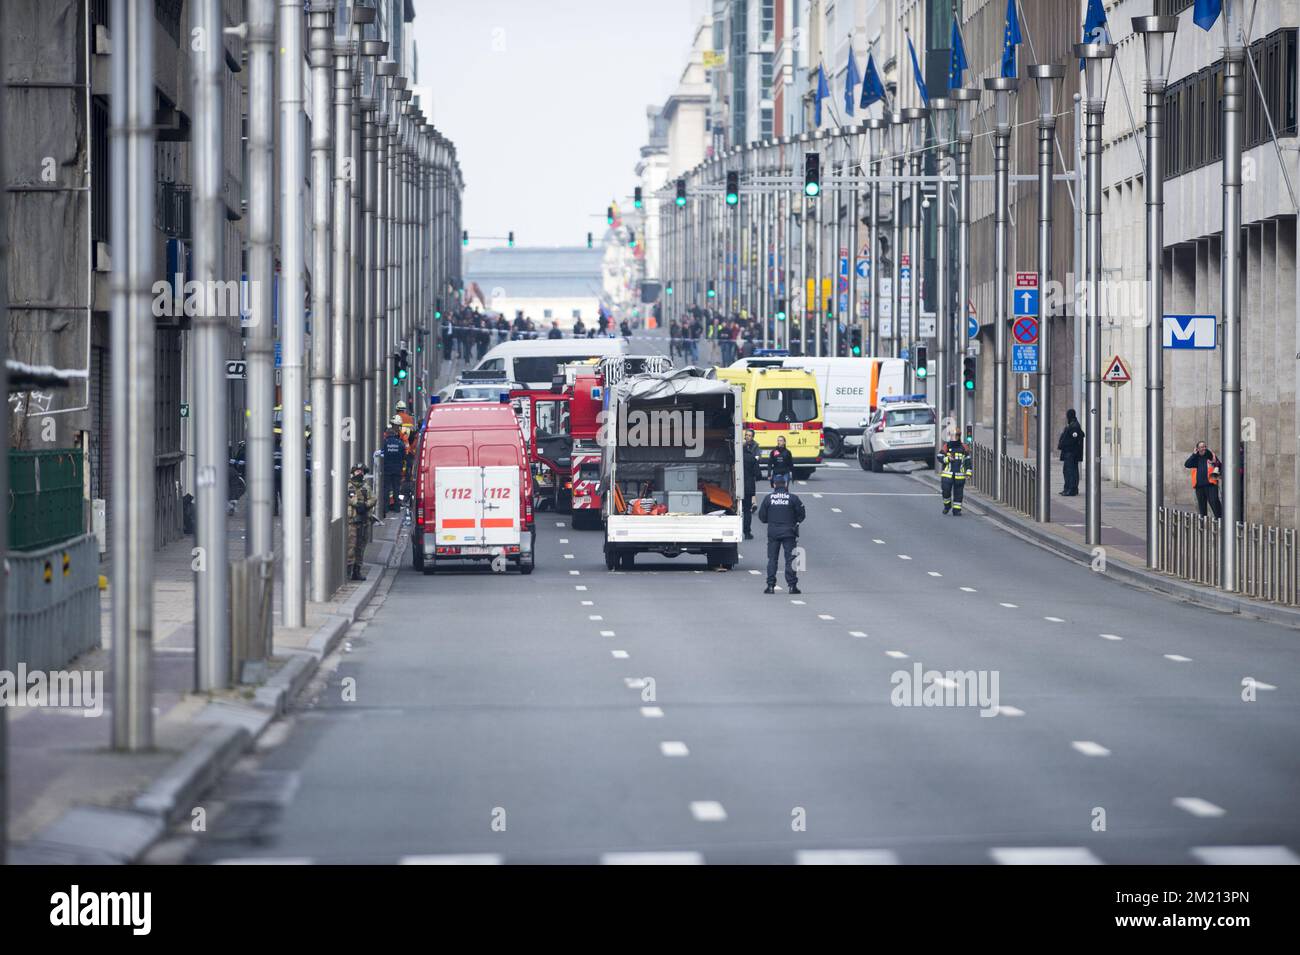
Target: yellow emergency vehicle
[{"x": 782, "y": 401}]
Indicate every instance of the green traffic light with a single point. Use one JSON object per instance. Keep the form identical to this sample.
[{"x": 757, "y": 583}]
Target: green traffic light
[
  {"x": 732, "y": 198},
  {"x": 681, "y": 200},
  {"x": 712, "y": 293},
  {"x": 402, "y": 374},
  {"x": 857, "y": 350},
  {"x": 812, "y": 189},
  {"x": 921, "y": 371},
  {"x": 780, "y": 316},
  {"x": 970, "y": 385}
]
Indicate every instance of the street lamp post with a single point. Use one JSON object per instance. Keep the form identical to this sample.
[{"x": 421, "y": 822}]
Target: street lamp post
[
  {"x": 1157, "y": 34},
  {"x": 966, "y": 98},
  {"x": 898, "y": 156},
  {"x": 1095, "y": 57},
  {"x": 1234, "y": 58},
  {"x": 1003, "y": 88},
  {"x": 855, "y": 137},
  {"x": 916, "y": 121},
  {"x": 943, "y": 111},
  {"x": 875, "y": 152},
  {"x": 804, "y": 140},
  {"x": 819, "y": 218},
  {"x": 1048, "y": 77}
]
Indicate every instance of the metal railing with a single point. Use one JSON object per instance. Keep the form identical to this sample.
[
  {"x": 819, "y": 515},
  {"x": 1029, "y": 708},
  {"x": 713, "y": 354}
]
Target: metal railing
[
  {"x": 1019, "y": 478},
  {"x": 1266, "y": 556},
  {"x": 52, "y": 609}
]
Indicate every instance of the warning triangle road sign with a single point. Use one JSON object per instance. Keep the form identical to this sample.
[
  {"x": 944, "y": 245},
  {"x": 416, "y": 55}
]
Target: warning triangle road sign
[{"x": 1116, "y": 372}]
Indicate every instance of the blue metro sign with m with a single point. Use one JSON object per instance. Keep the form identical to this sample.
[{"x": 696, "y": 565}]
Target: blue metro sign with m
[{"x": 1191, "y": 331}]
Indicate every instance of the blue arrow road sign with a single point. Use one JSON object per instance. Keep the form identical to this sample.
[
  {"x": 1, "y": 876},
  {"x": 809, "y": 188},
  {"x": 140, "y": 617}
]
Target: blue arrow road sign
[
  {"x": 1025, "y": 399},
  {"x": 1024, "y": 359},
  {"x": 972, "y": 327},
  {"x": 1025, "y": 301},
  {"x": 1190, "y": 331},
  {"x": 864, "y": 268}
]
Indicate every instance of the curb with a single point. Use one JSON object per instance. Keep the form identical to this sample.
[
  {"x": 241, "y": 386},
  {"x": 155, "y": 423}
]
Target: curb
[
  {"x": 97, "y": 835},
  {"x": 1128, "y": 574}
]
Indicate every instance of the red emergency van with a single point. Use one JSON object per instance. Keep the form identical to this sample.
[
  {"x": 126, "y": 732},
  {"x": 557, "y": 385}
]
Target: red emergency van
[{"x": 473, "y": 489}]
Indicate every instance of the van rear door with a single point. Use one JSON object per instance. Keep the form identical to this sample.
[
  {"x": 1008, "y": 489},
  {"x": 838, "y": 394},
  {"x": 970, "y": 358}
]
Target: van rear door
[
  {"x": 499, "y": 517},
  {"x": 478, "y": 508}
]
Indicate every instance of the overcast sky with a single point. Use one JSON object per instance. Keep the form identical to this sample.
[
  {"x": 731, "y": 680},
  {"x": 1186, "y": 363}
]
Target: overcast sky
[{"x": 545, "y": 101}]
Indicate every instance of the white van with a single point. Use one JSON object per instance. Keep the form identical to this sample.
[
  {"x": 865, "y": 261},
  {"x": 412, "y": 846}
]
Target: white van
[
  {"x": 534, "y": 362},
  {"x": 851, "y": 389}
]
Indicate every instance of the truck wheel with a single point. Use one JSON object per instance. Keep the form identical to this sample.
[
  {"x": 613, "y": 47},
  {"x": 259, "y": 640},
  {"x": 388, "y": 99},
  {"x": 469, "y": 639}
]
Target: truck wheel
[
  {"x": 526, "y": 567},
  {"x": 417, "y": 555},
  {"x": 877, "y": 465},
  {"x": 802, "y": 474},
  {"x": 834, "y": 444},
  {"x": 627, "y": 560},
  {"x": 563, "y": 502},
  {"x": 730, "y": 556},
  {"x": 428, "y": 567},
  {"x": 611, "y": 557}
]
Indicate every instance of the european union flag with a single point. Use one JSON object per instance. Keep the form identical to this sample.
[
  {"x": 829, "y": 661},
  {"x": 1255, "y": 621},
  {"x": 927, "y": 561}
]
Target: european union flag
[
  {"x": 1010, "y": 40},
  {"x": 873, "y": 91},
  {"x": 823, "y": 91},
  {"x": 1206, "y": 13},
  {"x": 851, "y": 79},
  {"x": 916, "y": 72},
  {"x": 957, "y": 65},
  {"x": 1095, "y": 28}
]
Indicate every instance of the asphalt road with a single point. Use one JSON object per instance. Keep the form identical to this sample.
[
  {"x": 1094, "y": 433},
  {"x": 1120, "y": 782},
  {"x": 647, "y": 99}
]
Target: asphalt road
[{"x": 500, "y": 718}]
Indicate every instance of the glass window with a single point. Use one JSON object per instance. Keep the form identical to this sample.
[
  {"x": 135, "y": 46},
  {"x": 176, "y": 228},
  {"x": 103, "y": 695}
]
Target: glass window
[
  {"x": 909, "y": 417},
  {"x": 552, "y": 419},
  {"x": 785, "y": 404},
  {"x": 542, "y": 367}
]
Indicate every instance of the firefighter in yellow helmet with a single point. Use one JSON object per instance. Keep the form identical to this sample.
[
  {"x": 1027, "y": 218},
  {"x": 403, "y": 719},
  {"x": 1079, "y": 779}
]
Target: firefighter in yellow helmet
[{"x": 956, "y": 461}]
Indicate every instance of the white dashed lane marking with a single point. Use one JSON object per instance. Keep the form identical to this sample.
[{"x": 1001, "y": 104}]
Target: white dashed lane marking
[
  {"x": 564, "y": 540},
  {"x": 1054, "y": 619},
  {"x": 574, "y": 573},
  {"x": 876, "y": 540},
  {"x": 1199, "y": 807},
  {"x": 836, "y": 510},
  {"x": 618, "y": 654},
  {"x": 651, "y": 712},
  {"x": 484, "y": 858},
  {"x": 1246, "y": 855},
  {"x": 1044, "y": 855},
  {"x": 845, "y": 857},
  {"x": 634, "y": 682},
  {"x": 797, "y": 603},
  {"x": 855, "y": 526},
  {"x": 568, "y": 557},
  {"x": 594, "y": 616},
  {"x": 969, "y": 590},
  {"x": 824, "y": 616},
  {"x": 1089, "y": 748},
  {"x": 579, "y": 586},
  {"x": 607, "y": 633},
  {"x": 1111, "y": 636},
  {"x": 652, "y": 858},
  {"x": 1178, "y": 658},
  {"x": 934, "y": 573},
  {"x": 1009, "y": 711},
  {"x": 896, "y": 654},
  {"x": 1258, "y": 684},
  {"x": 588, "y": 603},
  {"x": 1009, "y": 606},
  {"x": 904, "y": 557},
  {"x": 674, "y": 748},
  {"x": 708, "y": 811},
  {"x": 856, "y": 633}
]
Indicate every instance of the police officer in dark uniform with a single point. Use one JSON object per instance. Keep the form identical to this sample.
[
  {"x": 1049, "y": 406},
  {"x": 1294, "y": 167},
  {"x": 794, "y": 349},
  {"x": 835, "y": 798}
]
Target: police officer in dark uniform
[
  {"x": 394, "y": 451},
  {"x": 749, "y": 456},
  {"x": 1070, "y": 444},
  {"x": 782, "y": 512}
]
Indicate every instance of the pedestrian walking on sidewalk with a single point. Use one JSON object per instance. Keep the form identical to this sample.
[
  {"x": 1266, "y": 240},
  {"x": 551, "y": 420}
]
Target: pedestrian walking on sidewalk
[
  {"x": 1206, "y": 468},
  {"x": 1070, "y": 444},
  {"x": 782, "y": 512}
]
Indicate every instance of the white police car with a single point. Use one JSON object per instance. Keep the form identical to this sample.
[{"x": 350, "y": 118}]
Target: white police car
[{"x": 901, "y": 429}]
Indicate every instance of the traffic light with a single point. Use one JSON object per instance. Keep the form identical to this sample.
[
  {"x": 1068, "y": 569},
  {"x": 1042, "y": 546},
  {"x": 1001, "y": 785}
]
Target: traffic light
[
  {"x": 609, "y": 215},
  {"x": 922, "y": 362},
  {"x": 968, "y": 373},
  {"x": 510, "y": 240},
  {"x": 631, "y": 239},
  {"x": 589, "y": 240},
  {"x": 464, "y": 237},
  {"x": 855, "y": 341},
  {"x": 780, "y": 310},
  {"x": 733, "y": 188},
  {"x": 437, "y": 309},
  {"x": 681, "y": 192},
  {"x": 812, "y": 174},
  {"x": 401, "y": 367},
  {"x": 636, "y": 197},
  {"x": 711, "y": 292},
  {"x": 669, "y": 289}
]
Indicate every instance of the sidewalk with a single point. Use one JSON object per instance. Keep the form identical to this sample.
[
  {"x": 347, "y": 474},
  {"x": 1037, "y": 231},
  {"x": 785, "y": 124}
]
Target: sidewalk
[
  {"x": 1123, "y": 508},
  {"x": 1123, "y": 535},
  {"x": 74, "y": 800}
]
